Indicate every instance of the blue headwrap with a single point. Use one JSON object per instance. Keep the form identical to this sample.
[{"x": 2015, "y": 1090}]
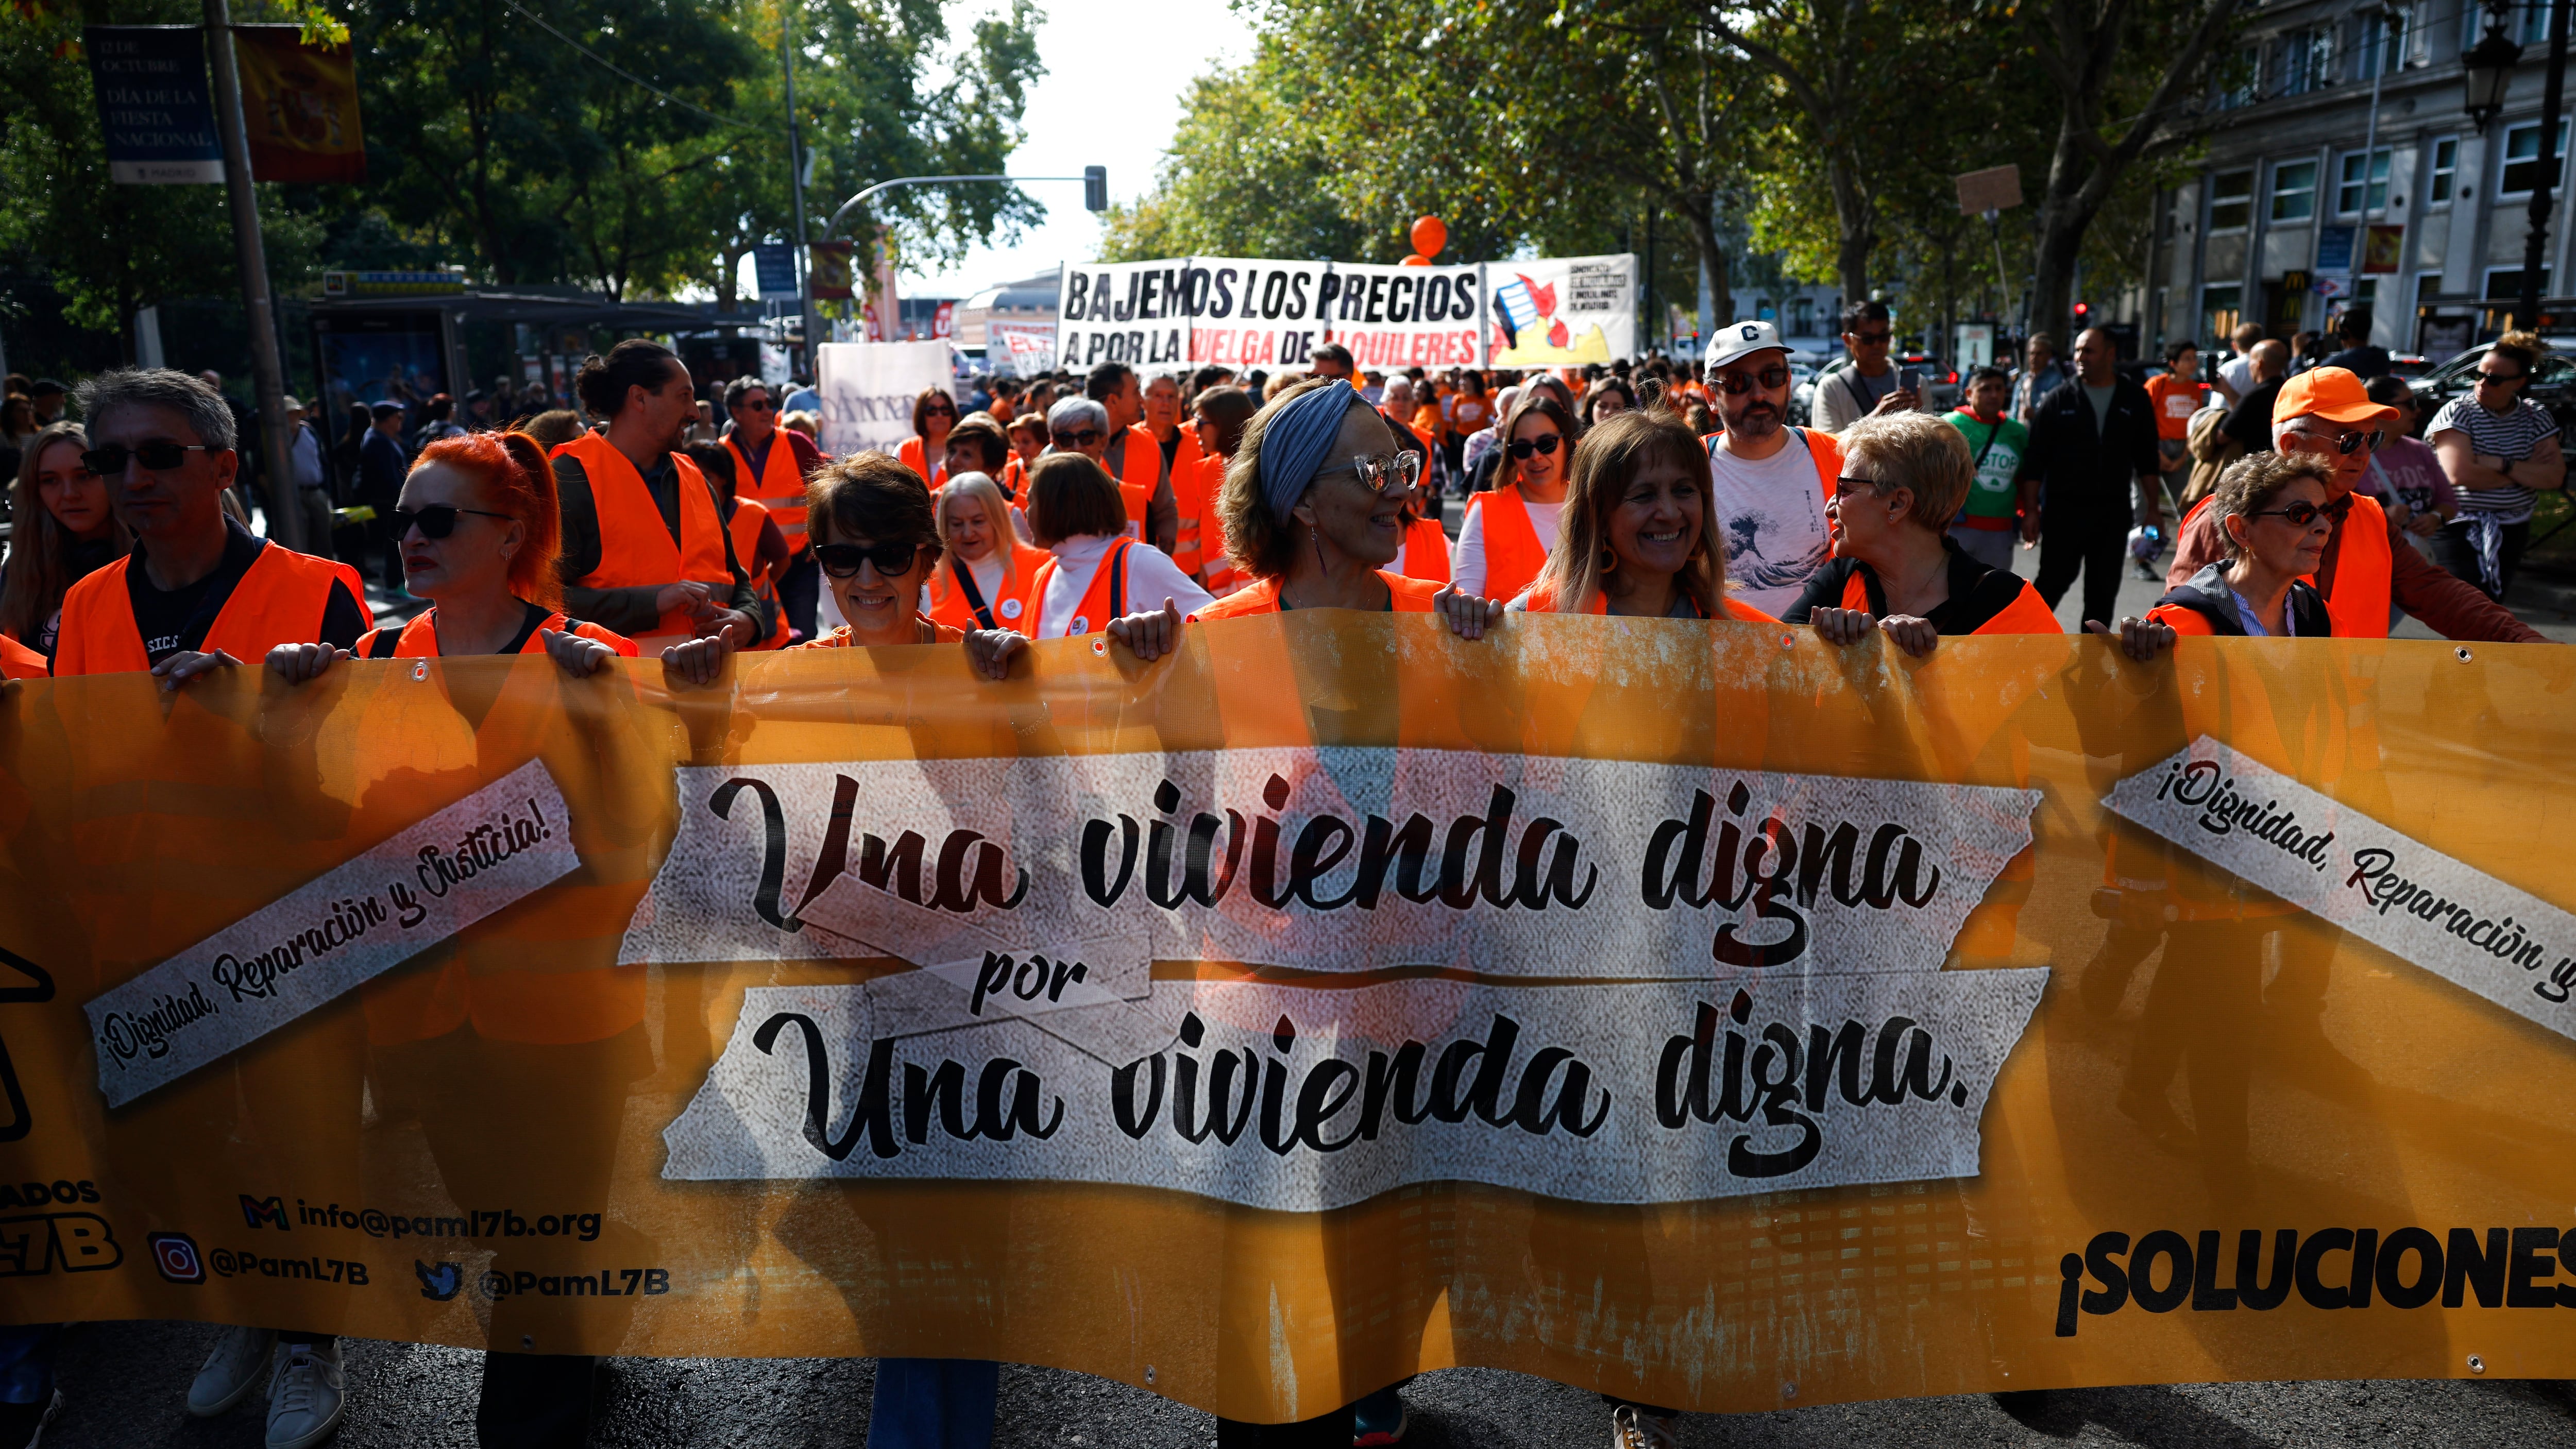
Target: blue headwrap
[{"x": 1294, "y": 445}]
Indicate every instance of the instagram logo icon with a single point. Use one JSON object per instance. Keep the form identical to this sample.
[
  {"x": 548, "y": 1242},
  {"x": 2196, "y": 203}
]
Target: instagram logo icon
[{"x": 175, "y": 1254}]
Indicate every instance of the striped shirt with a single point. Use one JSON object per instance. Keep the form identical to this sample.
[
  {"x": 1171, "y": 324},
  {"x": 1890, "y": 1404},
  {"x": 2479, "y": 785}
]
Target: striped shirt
[{"x": 2510, "y": 435}]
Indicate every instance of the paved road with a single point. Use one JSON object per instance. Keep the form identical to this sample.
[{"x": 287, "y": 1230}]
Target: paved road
[{"x": 126, "y": 1382}]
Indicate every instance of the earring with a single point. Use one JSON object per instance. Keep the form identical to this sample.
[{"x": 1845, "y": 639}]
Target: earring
[{"x": 1609, "y": 561}]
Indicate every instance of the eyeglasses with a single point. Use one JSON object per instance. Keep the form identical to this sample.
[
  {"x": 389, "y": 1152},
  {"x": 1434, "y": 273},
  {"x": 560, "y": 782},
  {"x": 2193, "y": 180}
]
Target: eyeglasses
[
  {"x": 1070, "y": 441},
  {"x": 1873, "y": 339},
  {"x": 109, "y": 462},
  {"x": 1737, "y": 384},
  {"x": 2345, "y": 443},
  {"x": 1521, "y": 448},
  {"x": 1384, "y": 472},
  {"x": 939, "y": 410},
  {"x": 842, "y": 560},
  {"x": 748, "y": 405},
  {"x": 2303, "y": 513},
  {"x": 2500, "y": 378},
  {"x": 438, "y": 520}
]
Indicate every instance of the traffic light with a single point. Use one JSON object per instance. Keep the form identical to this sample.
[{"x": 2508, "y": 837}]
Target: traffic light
[
  {"x": 1095, "y": 188},
  {"x": 2082, "y": 311}
]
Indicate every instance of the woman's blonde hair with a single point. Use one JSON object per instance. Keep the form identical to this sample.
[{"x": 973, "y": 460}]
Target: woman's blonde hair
[
  {"x": 997, "y": 514},
  {"x": 1918, "y": 451},
  {"x": 1255, "y": 540},
  {"x": 1613, "y": 452},
  {"x": 40, "y": 550}
]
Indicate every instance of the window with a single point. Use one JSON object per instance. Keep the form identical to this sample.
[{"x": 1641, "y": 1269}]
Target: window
[
  {"x": 2379, "y": 43},
  {"x": 2239, "y": 79},
  {"x": 2221, "y": 309},
  {"x": 2534, "y": 22},
  {"x": 2504, "y": 284},
  {"x": 2446, "y": 170},
  {"x": 2231, "y": 201},
  {"x": 2294, "y": 191},
  {"x": 2304, "y": 61},
  {"x": 2349, "y": 197},
  {"x": 2522, "y": 157}
]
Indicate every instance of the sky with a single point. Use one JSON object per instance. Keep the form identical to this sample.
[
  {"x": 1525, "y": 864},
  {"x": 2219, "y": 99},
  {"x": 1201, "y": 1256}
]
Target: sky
[{"x": 1116, "y": 71}]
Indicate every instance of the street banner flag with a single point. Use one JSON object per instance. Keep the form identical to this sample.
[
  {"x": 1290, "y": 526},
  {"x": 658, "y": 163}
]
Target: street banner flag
[
  {"x": 299, "y": 106},
  {"x": 827, "y": 271},
  {"x": 155, "y": 112}
]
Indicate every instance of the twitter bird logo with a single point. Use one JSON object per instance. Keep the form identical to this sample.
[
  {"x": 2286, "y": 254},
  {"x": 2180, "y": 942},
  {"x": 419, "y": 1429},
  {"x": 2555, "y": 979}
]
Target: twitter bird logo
[{"x": 440, "y": 1283}]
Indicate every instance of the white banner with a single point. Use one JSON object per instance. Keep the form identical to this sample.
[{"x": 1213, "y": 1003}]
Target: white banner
[
  {"x": 1561, "y": 311},
  {"x": 868, "y": 388},
  {"x": 2422, "y": 906},
  {"x": 1393, "y": 318},
  {"x": 1019, "y": 349},
  {"x": 476, "y": 857}
]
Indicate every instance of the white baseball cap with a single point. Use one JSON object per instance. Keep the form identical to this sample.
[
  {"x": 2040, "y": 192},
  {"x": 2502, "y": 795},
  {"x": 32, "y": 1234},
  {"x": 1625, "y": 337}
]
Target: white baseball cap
[{"x": 1737, "y": 339}]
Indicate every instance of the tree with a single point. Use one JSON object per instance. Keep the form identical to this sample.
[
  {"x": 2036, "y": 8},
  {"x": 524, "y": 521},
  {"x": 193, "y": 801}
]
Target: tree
[{"x": 1246, "y": 175}]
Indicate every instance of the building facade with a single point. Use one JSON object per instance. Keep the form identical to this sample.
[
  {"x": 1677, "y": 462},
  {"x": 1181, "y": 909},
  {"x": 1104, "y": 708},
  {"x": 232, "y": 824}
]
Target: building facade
[{"x": 2307, "y": 206}]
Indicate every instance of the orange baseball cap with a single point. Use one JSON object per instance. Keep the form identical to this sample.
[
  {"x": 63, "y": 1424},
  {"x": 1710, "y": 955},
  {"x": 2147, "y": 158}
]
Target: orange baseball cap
[{"x": 2332, "y": 393}]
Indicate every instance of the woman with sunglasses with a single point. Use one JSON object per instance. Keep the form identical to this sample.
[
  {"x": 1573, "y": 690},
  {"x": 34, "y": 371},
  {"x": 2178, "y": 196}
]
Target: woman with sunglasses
[
  {"x": 876, "y": 538},
  {"x": 1508, "y": 531},
  {"x": 1218, "y": 416},
  {"x": 65, "y": 531},
  {"x": 926, "y": 451},
  {"x": 1633, "y": 539},
  {"x": 2500, "y": 450},
  {"x": 480, "y": 533},
  {"x": 988, "y": 577},
  {"x": 2271, "y": 511}
]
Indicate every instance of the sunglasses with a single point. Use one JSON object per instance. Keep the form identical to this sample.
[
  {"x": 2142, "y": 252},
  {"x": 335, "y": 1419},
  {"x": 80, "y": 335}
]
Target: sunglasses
[
  {"x": 939, "y": 410},
  {"x": 2500, "y": 378},
  {"x": 762, "y": 406},
  {"x": 2345, "y": 443},
  {"x": 1083, "y": 439},
  {"x": 2303, "y": 513},
  {"x": 842, "y": 560},
  {"x": 1387, "y": 472},
  {"x": 1873, "y": 339},
  {"x": 1521, "y": 448},
  {"x": 1737, "y": 384},
  {"x": 438, "y": 520},
  {"x": 109, "y": 462}
]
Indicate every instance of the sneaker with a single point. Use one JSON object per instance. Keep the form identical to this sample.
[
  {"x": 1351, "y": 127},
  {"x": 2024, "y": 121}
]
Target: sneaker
[
  {"x": 1381, "y": 1418},
  {"x": 22, "y": 1426},
  {"x": 240, "y": 1356},
  {"x": 1633, "y": 1428},
  {"x": 304, "y": 1399}
]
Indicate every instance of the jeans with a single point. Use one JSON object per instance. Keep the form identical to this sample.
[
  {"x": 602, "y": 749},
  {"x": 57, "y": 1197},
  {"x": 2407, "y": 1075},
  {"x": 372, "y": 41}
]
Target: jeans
[
  {"x": 937, "y": 1403},
  {"x": 2094, "y": 540},
  {"x": 2452, "y": 549},
  {"x": 27, "y": 1362}
]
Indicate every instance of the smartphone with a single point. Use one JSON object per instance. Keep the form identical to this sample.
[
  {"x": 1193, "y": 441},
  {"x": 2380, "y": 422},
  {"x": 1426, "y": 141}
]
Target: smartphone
[{"x": 1910, "y": 378}]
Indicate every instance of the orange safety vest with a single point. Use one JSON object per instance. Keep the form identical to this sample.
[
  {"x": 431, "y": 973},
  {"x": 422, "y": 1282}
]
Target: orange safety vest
[
  {"x": 780, "y": 488},
  {"x": 748, "y": 515},
  {"x": 936, "y": 475},
  {"x": 1105, "y": 600},
  {"x": 418, "y": 638},
  {"x": 1140, "y": 470},
  {"x": 841, "y": 638},
  {"x": 1513, "y": 554},
  {"x": 1426, "y": 551},
  {"x": 280, "y": 600},
  {"x": 2364, "y": 581},
  {"x": 635, "y": 549},
  {"x": 1195, "y": 489},
  {"x": 17, "y": 661},
  {"x": 952, "y": 592},
  {"x": 2028, "y": 613},
  {"x": 1405, "y": 595},
  {"x": 1736, "y": 611}
]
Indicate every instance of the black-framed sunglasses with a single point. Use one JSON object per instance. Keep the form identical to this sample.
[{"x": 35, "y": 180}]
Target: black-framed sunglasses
[
  {"x": 1737, "y": 384},
  {"x": 2500, "y": 378},
  {"x": 438, "y": 520},
  {"x": 842, "y": 560},
  {"x": 2303, "y": 513},
  {"x": 109, "y": 462},
  {"x": 1873, "y": 339},
  {"x": 1071, "y": 441},
  {"x": 755, "y": 405},
  {"x": 1521, "y": 448}
]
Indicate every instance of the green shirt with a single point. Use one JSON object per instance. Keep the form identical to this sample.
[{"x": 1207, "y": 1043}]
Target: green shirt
[{"x": 1998, "y": 450}]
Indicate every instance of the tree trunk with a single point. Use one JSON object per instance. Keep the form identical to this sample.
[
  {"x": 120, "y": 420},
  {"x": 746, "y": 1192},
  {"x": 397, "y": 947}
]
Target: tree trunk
[
  {"x": 1716, "y": 303},
  {"x": 1859, "y": 232}
]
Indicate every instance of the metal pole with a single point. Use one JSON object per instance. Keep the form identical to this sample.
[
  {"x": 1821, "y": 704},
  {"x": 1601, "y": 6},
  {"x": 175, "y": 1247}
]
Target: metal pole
[
  {"x": 2527, "y": 309},
  {"x": 268, "y": 375},
  {"x": 796, "y": 184}
]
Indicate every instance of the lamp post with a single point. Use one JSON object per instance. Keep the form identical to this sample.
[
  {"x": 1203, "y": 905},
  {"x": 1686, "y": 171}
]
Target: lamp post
[
  {"x": 2526, "y": 312},
  {"x": 2489, "y": 69}
]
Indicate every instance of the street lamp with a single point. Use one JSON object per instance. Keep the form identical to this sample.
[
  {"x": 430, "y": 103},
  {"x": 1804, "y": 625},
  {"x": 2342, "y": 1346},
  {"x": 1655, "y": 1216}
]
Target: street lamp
[{"x": 2489, "y": 65}]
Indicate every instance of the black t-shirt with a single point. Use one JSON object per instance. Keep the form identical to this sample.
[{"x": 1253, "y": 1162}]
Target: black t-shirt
[
  {"x": 2364, "y": 362},
  {"x": 173, "y": 621},
  {"x": 2250, "y": 422},
  {"x": 1977, "y": 593}
]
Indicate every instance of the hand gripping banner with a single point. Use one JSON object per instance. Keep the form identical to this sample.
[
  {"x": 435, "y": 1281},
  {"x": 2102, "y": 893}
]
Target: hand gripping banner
[{"x": 1700, "y": 1013}]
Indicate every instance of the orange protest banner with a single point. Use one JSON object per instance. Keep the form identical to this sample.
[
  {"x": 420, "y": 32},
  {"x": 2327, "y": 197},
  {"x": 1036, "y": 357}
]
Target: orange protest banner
[{"x": 1699, "y": 1012}]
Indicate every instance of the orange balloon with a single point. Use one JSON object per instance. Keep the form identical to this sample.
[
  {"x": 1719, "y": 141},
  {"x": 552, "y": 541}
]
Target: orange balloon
[
  {"x": 1429, "y": 235},
  {"x": 1417, "y": 260}
]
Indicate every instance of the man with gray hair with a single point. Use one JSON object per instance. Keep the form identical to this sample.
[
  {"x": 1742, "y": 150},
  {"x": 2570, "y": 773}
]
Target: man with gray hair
[{"x": 199, "y": 593}]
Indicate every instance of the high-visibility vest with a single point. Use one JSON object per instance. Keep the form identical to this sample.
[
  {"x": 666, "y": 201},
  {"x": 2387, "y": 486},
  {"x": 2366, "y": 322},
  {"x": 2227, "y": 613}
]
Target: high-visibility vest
[
  {"x": 1405, "y": 595},
  {"x": 934, "y": 474},
  {"x": 1734, "y": 610},
  {"x": 17, "y": 661},
  {"x": 748, "y": 515},
  {"x": 1426, "y": 551},
  {"x": 635, "y": 548},
  {"x": 1104, "y": 600},
  {"x": 418, "y": 637},
  {"x": 1140, "y": 471},
  {"x": 2364, "y": 578},
  {"x": 778, "y": 487},
  {"x": 1513, "y": 554},
  {"x": 279, "y": 600},
  {"x": 1195, "y": 491},
  {"x": 953, "y": 598},
  {"x": 2028, "y": 613},
  {"x": 933, "y": 631},
  {"x": 1824, "y": 450}
]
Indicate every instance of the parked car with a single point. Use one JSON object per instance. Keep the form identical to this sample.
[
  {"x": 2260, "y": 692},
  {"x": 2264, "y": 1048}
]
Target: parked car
[
  {"x": 2552, "y": 385},
  {"x": 1941, "y": 389},
  {"x": 1802, "y": 394},
  {"x": 2409, "y": 365}
]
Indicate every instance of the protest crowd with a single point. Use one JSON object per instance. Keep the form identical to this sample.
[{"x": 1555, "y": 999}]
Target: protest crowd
[{"x": 656, "y": 518}]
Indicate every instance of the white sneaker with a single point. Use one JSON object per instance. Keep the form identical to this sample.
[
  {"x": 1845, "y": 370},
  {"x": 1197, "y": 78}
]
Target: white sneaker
[
  {"x": 240, "y": 1356},
  {"x": 1631, "y": 1429},
  {"x": 304, "y": 1399}
]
